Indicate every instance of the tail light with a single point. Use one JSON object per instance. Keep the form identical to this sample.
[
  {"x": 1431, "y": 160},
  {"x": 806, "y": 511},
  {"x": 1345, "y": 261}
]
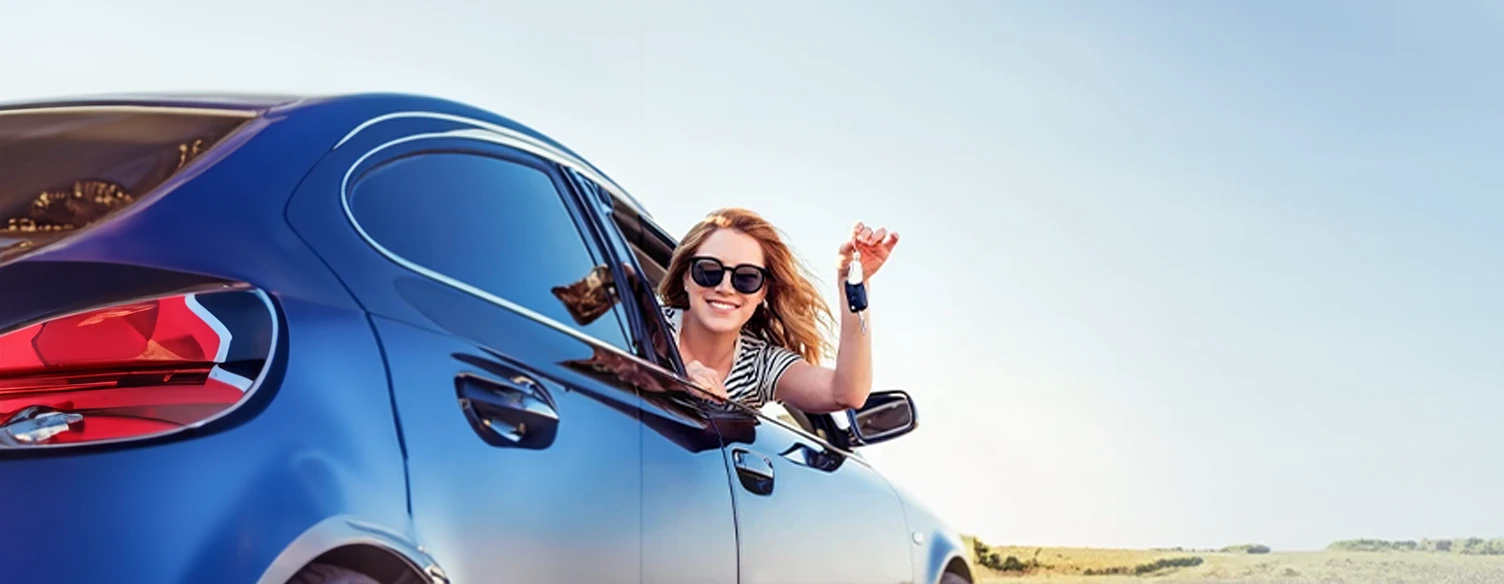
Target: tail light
[{"x": 133, "y": 370}]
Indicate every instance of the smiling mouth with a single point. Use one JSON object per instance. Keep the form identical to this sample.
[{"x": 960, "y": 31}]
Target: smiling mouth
[{"x": 722, "y": 305}]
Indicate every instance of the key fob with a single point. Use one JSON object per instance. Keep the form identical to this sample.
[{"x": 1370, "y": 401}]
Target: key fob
[
  {"x": 856, "y": 289},
  {"x": 856, "y": 297}
]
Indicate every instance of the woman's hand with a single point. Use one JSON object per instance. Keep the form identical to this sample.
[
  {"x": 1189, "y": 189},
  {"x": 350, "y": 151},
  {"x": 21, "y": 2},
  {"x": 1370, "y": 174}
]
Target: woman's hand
[
  {"x": 706, "y": 378},
  {"x": 875, "y": 247}
]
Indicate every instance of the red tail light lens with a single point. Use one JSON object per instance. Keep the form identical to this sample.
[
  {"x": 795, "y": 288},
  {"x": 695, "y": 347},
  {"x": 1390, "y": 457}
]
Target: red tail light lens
[{"x": 133, "y": 370}]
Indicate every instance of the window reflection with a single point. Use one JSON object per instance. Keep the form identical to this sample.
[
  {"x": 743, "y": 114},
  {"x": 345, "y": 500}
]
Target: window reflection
[{"x": 444, "y": 210}]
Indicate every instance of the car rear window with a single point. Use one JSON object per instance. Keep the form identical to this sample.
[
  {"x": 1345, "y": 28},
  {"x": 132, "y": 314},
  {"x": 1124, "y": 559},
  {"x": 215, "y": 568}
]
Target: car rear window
[{"x": 66, "y": 168}]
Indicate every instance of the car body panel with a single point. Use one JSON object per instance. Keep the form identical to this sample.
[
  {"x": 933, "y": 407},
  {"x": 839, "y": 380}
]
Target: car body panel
[
  {"x": 513, "y": 514},
  {"x": 825, "y": 517},
  {"x": 938, "y": 548}
]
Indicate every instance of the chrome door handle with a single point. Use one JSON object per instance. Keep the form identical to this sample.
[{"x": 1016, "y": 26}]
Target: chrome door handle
[
  {"x": 754, "y": 470},
  {"x": 510, "y": 413}
]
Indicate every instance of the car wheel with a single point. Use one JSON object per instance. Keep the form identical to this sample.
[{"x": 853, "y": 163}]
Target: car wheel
[
  {"x": 953, "y": 578},
  {"x": 327, "y": 574}
]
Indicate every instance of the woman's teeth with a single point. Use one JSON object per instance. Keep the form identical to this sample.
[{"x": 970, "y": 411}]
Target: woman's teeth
[{"x": 721, "y": 305}]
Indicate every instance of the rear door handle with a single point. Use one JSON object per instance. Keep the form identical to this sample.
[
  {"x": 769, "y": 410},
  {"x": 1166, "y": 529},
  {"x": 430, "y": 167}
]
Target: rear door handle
[
  {"x": 513, "y": 412},
  {"x": 754, "y": 470}
]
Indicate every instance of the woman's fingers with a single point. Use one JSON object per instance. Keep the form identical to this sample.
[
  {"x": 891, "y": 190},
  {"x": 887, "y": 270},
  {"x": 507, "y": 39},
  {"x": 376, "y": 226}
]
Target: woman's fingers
[
  {"x": 704, "y": 377},
  {"x": 861, "y": 233},
  {"x": 874, "y": 245},
  {"x": 886, "y": 243},
  {"x": 696, "y": 370}
]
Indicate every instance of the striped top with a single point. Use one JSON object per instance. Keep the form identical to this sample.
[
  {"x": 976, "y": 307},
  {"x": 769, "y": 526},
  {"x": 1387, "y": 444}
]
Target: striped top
[{"x": 754, "y": 371}]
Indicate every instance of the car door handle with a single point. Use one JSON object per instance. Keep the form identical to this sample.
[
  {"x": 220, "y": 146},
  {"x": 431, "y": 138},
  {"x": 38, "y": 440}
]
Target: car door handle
[
  {"x": 754, "y": 470},
  {"x": 512, "y": 412},
  {"x": 805, "y": 455}
]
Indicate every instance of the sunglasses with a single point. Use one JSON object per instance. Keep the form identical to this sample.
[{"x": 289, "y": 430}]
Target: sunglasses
[{"x": 745, "y": 278}]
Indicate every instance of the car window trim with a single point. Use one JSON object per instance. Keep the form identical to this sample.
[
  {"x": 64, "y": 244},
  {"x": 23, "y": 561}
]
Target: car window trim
[
  {"x": 446, "y": 279},
  {"x": 600, "y": 234},
  {"x": 515, "y": 139},
  {"x": 588, "y": 230},
  {"x": 604, "y": 217}
]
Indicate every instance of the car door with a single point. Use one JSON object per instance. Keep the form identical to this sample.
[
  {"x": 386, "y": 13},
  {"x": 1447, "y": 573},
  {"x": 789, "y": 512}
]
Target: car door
[
  {"x": 689, "y": 525},
  {"x": 805, "y": 510},
  {"x": 810, "y": 512},
  {"x": 524, "y": 459}
]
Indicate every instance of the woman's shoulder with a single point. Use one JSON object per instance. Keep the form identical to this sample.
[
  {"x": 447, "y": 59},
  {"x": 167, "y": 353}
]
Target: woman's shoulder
[
  {"x": 764, "y": 348},
  {"x": 767, "y": 361}
]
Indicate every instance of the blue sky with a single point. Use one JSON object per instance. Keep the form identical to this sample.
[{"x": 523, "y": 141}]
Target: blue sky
[{"x": 1171, "y": 273}]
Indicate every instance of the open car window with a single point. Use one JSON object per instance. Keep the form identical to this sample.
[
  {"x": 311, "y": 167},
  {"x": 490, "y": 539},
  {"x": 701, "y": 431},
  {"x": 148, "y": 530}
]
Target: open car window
[{"x": 652, "y": 249}]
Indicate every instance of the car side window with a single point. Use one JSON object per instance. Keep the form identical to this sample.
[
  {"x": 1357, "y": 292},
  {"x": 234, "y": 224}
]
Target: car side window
[{"x": 499, "y": 225}]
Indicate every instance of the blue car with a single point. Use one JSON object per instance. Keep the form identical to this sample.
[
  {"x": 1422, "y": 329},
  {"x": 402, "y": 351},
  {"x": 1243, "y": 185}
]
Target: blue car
[{"x": 384, "y": 338}]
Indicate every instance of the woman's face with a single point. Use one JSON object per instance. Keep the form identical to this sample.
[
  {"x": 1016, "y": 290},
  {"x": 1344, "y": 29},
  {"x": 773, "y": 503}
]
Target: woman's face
[{"x": 735, "y": 259}]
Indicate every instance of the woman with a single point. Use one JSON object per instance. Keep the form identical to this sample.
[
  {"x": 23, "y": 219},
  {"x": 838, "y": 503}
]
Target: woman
[{"x": 748, "y": 322}]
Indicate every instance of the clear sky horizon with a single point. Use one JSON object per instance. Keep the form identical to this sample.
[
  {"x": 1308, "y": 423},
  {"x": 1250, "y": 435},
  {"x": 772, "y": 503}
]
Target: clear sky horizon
[{"x": 1186, "y": 274}]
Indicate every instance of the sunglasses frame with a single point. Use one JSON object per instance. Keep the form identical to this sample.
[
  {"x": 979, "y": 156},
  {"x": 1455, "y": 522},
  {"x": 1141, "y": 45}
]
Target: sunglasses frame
[{"x": 725, "y": 269}]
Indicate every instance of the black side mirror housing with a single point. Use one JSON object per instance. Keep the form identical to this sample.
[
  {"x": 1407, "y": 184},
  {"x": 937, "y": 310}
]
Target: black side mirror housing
[{"x": 886, "y": 415}]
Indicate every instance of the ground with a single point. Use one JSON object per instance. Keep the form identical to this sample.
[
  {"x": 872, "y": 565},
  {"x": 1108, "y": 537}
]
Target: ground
[{"x": 1066, "y": 566}]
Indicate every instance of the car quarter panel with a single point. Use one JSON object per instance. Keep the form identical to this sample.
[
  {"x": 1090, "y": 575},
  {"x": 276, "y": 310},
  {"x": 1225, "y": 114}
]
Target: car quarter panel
[
  {"x": 221, "y": 503},
  {"x": 316, "y": 441}
]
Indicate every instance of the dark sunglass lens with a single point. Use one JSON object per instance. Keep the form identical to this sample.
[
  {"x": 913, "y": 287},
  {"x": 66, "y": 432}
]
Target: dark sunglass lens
[
  {"x": 747, "y": 280},
  {"x": 707, "y": 273}
]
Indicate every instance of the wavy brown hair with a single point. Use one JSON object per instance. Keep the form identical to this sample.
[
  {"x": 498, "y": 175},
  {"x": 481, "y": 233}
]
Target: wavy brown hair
[{"x": 796, "y": 316}]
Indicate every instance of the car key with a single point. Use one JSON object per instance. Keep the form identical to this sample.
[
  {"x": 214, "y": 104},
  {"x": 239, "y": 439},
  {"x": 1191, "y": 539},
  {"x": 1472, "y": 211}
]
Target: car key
[{"x": 856, "y": 289}]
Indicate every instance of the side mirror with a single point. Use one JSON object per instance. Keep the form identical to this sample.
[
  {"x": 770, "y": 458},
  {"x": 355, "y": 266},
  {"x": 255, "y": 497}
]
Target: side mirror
[{"x": 885, "y": 416}]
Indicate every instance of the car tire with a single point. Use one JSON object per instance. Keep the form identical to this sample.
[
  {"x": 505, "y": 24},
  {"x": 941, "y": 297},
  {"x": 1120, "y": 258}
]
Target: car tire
[
  {"x": 329, "y": 574},
  {"x": 953, "y": 578}
]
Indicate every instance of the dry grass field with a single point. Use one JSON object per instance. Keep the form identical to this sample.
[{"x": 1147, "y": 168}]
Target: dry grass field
[{"x": 1120, "y": 566}]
